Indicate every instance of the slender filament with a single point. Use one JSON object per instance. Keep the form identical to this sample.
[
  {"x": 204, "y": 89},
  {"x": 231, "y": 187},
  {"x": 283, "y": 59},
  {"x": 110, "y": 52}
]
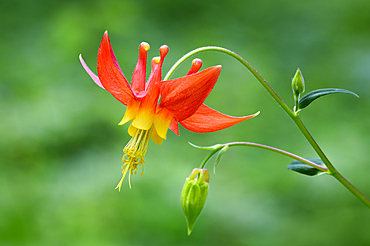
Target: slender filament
[{"x": 134, "y": 153}]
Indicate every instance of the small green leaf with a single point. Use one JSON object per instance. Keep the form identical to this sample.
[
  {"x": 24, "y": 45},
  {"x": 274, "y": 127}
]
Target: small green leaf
[
  {"x": 313, "y": 95},
  {"x": 219, "y": 156},
  {"x": 303, "y": 168},
  {"x": 217, "y": 146}
]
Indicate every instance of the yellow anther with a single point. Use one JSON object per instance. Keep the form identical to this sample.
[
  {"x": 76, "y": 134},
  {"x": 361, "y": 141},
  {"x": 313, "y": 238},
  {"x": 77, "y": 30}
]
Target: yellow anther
[{"x": 134, "y": 153}]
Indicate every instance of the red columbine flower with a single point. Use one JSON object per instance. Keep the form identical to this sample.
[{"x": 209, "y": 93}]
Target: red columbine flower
[{"x": 181, "y": 101}]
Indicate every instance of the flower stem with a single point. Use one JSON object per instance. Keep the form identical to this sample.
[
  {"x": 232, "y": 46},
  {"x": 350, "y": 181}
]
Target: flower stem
[
  {"x": 331, "y": 169},
  {"x": 262, "y": 146},
  {"x": 204, "y": 163},
  {"x": 242, "y": 61},
  {"x": 294, "y": 115}
]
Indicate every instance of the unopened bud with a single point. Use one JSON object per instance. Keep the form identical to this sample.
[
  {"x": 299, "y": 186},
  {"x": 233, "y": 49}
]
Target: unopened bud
[
  {"x": 194, "y": 195},
  {"x": 298, "y": 83}
]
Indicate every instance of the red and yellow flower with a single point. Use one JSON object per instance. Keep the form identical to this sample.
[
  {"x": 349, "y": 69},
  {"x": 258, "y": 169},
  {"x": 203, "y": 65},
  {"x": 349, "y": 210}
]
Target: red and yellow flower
[{"x": 156, "y": 106}]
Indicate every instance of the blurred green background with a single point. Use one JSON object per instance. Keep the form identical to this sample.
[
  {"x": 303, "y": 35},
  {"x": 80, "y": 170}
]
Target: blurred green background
[{"x": 61, "y": 147}]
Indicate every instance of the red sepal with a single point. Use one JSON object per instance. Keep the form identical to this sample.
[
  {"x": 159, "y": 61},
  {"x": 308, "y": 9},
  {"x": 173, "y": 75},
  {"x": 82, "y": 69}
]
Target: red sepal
[
  {"x": 110, "y": 74},
  {"x": 207, "y": 119},
  {"x": 174, "y": 126},
  {"x": 183, "y": 96}
]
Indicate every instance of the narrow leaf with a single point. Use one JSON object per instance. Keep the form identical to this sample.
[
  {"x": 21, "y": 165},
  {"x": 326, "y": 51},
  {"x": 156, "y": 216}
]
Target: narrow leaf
[
  {"x": 303, "y": 168},
  {"x": 313, "y": 95},
  {"x": 219, "y": 156},
  {"x": 217, "y": 146}
]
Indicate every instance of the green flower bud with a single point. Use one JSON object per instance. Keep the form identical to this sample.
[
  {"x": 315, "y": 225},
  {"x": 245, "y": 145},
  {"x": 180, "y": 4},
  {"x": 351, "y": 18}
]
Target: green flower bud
[
  {"x": 194, "y": 195},
  {"x": 298, "y": 83}
]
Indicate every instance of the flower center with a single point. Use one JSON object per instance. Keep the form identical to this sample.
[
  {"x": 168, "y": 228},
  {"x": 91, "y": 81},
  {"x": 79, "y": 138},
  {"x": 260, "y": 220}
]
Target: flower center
[{"x": 134, "y": 153}]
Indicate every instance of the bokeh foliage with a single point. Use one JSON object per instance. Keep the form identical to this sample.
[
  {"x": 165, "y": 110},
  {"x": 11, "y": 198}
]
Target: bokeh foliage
[{"x": 60, "y": 146}]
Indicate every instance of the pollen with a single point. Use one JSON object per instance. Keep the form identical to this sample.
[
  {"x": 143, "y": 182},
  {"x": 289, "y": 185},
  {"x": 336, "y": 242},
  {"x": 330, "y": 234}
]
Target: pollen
[{"x": 134, "y": 153}]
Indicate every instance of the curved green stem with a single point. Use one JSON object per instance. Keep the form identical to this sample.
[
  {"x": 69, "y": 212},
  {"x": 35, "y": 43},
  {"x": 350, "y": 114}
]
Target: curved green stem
[
  {"x": 262, "y": 146},
  {"x": 208, "y": 157},
  {"x": 294, "y": 115},
  {"x": 331, "y": 168},
  {"x": 242, "y": 61}
]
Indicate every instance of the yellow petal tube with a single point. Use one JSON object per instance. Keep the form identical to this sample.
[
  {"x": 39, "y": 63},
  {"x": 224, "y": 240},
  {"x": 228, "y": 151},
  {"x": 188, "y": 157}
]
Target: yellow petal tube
[
  {"x": 132, "y": 130},
  {"x": 156, "y": 138},
  {"x": 162, "y": 122},
  {"x": 144, "y": 119},
  {"x": 131, "y": 111}
]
